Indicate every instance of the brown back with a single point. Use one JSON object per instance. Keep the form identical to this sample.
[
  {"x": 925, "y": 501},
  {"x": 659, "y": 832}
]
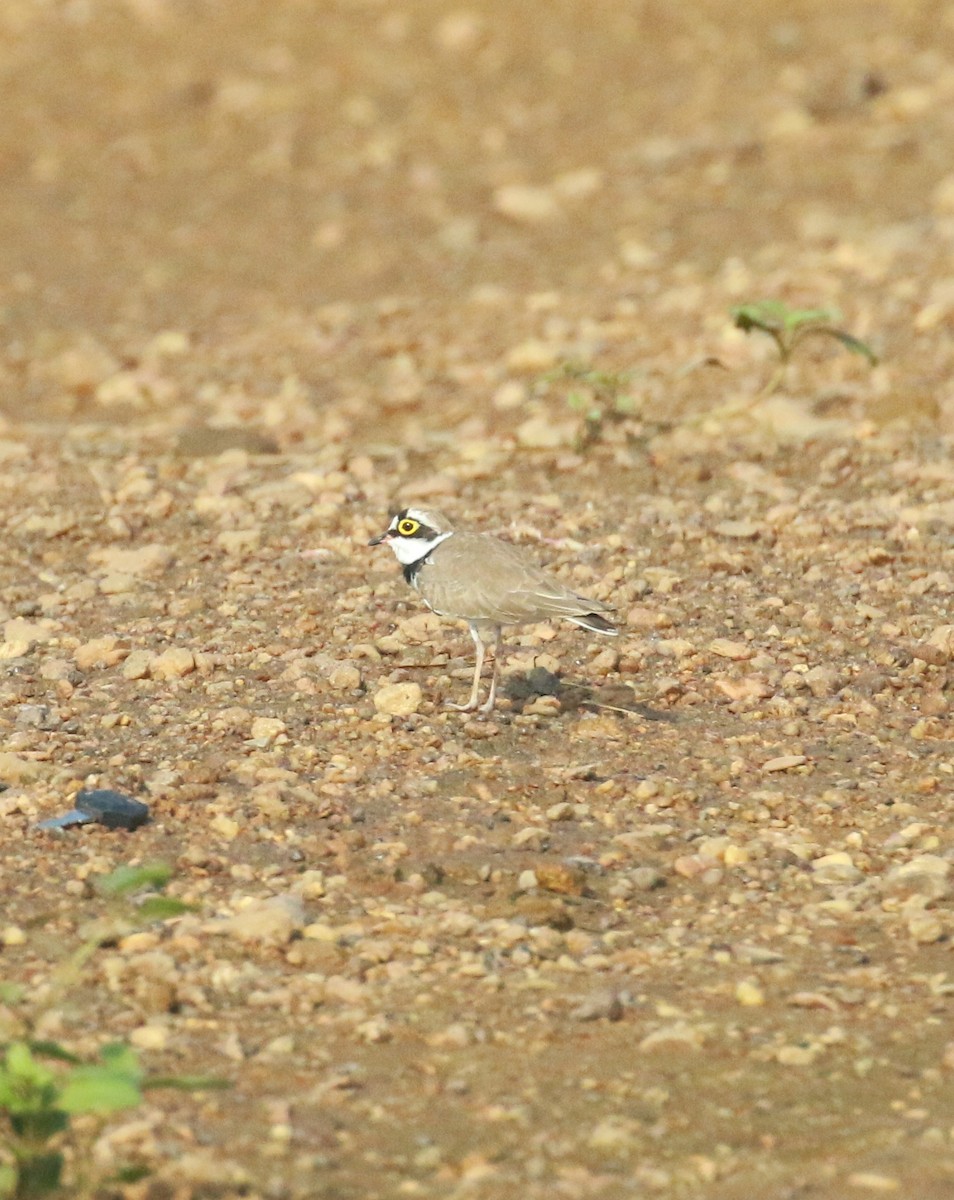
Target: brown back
[{"x": 475, "y": 577}]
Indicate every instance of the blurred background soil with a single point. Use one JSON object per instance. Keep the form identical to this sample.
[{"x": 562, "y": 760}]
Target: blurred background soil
[{"x": 266, "y": 267}]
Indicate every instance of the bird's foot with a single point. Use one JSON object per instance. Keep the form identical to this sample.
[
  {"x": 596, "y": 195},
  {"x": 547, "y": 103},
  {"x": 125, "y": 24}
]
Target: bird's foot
[{"x": 473, "y": 706}]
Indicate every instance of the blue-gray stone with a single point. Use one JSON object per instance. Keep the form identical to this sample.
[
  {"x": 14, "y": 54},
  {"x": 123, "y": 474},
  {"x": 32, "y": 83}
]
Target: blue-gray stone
[{"x": 106, "y": 807}]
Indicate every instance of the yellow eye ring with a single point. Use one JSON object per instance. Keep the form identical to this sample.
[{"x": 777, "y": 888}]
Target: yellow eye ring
[{"x": 407, "y": 527}]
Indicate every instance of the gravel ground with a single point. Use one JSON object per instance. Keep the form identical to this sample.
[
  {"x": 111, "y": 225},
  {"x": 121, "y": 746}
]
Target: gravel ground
[{"x": 676, "y": 920}]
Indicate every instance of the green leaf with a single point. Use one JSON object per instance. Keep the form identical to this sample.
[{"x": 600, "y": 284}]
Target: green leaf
[
  {"x": 11, "y": 993},
  {"x": 104, "y": 1088},
  {"x": 122, "y": 1059},
  {"x": 186, "y": 1083},
  {"x": 611, "y": 381},
  {"x": 159, "y": 908},
  {"x": 8, "y": 1181},
  {"x": 767, "y": 315},
  {"x": 572, "y": 370},
  {"x": 98, "y": 1089},
  {"x": 773, "y": 316},
  {"x": 40, "y": 1125},
  {"x": 131, "y": 1174},
  {"x": 128, "y": 879},
  {"x": 19, "y": 1060},
  {"x": 797, "y": 317},
  {"x": 23, "y": 1068},
  {"x": 855, "y": 345},
  {"x": 53, "y": 1050},
  {"x": 39, "y": 1175}
]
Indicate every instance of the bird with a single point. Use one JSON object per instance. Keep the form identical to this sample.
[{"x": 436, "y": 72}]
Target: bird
[{"x": 488, "y": 583}]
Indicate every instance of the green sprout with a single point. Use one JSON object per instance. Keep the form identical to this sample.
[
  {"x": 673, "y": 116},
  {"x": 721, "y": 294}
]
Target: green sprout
[
  {"x": 789, "y": 327},
  {"x": 599, "y": 397},
  {"x": 43, "y": 1085}
]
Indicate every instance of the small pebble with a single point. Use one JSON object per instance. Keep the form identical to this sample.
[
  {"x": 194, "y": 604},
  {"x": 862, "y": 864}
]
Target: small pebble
[
  {"x": 36, "y": 716},
  {"x": 100, "y": 652},
  {"x": 526, "y": 204},
  {"x": 266, "y": 729},
  {"x": 725, "y": 648},
  {"x": 600, "y": 1006},
  {"x": 785, "y": 762},
  {"x": 873, "y": 1181},
  {"x": 138, "y": 665},
  {"x": 741, "y": 530},
  {"x": 673, "y": 1037},
  {"x": 174, "y": 663},
  {"x": 926, "y": 928},
  {"x": 614, "y": 1135},
  {"x": 398, "y": 699},
  {"x": 646, "y": 879},
  {"x": 269, "y": 922},
  {"x": 345, "y": 678},
  {"x": 749, "y": 994},
  {"x": 796, "y": 1056},
  {"x": 150, "y": 1037},
  {"x": 836, "y": 868}
]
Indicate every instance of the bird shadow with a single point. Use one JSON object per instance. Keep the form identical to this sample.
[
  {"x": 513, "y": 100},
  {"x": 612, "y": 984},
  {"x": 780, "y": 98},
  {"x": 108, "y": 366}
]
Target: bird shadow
[{"x": 523, "y": 689}]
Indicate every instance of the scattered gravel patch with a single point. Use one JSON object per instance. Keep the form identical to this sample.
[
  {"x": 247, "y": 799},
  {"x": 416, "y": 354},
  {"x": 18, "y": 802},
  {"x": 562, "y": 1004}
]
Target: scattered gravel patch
[{"x": 677, "y": 920}]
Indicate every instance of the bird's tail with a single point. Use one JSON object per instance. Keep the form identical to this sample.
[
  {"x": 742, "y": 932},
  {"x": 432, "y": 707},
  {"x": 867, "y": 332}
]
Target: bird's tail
[{"x": 595, "y": 623}]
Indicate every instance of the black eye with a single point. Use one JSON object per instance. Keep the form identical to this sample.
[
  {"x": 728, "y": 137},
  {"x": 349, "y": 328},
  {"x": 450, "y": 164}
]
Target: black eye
[{"x": 407, "y": 527}]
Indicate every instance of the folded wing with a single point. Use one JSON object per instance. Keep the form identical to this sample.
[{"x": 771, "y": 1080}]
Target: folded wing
[{"x": 482, "y": 579}]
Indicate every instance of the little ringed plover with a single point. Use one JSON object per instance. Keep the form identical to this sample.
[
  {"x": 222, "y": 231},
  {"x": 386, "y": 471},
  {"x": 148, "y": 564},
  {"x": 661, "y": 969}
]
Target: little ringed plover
[{"x": 488, "y": 583}]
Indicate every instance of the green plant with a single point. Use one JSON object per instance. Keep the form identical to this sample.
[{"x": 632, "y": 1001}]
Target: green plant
[
  {"x": 599, "y": 397},
  {"x": 42, "y": 1084},
  {"x": 788, "y": 328}
]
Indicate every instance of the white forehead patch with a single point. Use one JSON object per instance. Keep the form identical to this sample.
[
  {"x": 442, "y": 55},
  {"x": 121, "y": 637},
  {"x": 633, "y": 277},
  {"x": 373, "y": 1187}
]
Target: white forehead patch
[{"x": 431, "y": 519}]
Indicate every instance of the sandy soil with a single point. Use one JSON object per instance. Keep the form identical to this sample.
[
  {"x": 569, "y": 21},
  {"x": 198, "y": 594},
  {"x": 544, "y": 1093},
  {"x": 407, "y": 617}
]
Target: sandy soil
[{"x": 676, "y": 920}]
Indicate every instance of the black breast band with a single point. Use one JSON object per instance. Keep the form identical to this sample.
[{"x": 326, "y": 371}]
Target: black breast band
[{"x": 411, "y": 570}]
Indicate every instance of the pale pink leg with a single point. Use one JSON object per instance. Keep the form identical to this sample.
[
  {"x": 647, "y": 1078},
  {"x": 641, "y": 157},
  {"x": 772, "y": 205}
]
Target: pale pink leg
[
  {"x": 471, "y": 704},
  {"x": 488, "y": 705}
]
